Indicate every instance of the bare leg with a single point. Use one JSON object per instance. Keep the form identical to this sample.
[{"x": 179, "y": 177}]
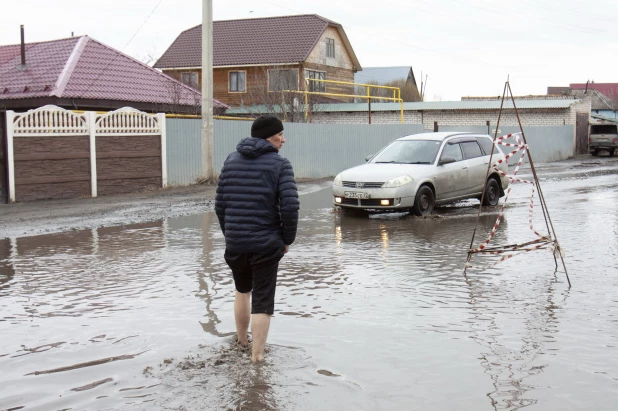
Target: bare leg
[
  {"x": 260, "y": 323},
  {"x": 242, "y": 315}
]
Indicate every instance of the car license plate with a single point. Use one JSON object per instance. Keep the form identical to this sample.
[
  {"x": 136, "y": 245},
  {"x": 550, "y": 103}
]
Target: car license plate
[{"x": 355, "y": 194}]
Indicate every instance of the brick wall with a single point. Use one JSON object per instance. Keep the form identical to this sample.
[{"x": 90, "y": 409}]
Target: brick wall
[{"x": 529, "y": 117}]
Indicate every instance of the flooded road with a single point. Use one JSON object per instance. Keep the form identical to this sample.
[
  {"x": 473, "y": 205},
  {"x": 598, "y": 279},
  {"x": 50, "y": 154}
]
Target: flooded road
[{"x": 372, "y": 312}]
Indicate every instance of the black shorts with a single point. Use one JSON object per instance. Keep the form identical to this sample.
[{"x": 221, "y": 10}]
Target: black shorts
[{"x": 258, "y": 273}]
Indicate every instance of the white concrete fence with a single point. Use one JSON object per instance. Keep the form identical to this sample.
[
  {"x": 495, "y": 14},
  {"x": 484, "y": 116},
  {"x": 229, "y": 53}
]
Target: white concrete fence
[{"x": 52, "y": 122}]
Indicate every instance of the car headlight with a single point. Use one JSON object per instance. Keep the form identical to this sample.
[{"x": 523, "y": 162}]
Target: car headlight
[
  {"x": 338, "y": 181},
  {"x": 398, "y": 182}
]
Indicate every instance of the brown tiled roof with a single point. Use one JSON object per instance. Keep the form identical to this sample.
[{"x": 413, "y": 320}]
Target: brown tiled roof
[
  {"x": 270, "y": 40},
  {"x": 83, "y": 68}
]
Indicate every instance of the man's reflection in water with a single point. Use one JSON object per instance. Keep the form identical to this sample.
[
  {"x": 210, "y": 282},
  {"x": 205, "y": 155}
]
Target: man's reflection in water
[{"x": 7, "y": 270}]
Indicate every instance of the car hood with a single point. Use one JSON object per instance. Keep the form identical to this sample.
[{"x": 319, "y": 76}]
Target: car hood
[{"x": 374, "y": 172}]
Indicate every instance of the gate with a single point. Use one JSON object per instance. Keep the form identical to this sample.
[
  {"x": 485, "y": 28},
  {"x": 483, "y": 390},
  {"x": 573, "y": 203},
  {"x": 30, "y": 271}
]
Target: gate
[{"x": 581, "y": 133}]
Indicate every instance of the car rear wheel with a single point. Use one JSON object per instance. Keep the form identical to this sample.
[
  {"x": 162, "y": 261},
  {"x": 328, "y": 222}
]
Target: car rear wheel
[
  {"x": 595, "y": 152},
  {"x": 424, "y": 202},
  {"x": 611, "y": 152},
  {"x": 492, "y": 193}
]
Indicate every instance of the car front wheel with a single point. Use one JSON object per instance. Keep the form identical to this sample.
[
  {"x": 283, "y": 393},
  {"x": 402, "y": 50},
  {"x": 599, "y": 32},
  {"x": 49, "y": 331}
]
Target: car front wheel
[
  {"x": 492, "y": 193},
  {"x": 424, "y": 202}
]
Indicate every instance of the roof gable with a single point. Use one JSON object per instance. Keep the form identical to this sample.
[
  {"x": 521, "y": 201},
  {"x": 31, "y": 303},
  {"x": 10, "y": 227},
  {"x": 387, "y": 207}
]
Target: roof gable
[
  {"x": 607, "y": 89},
  {"x": 598, "y": 101},
  {"x": 271, "y": 40},
  {"x": 83, "y": 68}
]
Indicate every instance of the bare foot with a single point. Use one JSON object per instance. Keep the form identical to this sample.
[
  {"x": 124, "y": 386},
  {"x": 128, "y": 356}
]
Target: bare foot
[
  {"x": 266, "y": 349},
  {"x": 243, "y": 346},
  {"x": 257, "y": 358}
]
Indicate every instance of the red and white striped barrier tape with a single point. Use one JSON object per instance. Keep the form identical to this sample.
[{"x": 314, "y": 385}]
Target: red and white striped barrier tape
[{"x": 544, "y": 240}]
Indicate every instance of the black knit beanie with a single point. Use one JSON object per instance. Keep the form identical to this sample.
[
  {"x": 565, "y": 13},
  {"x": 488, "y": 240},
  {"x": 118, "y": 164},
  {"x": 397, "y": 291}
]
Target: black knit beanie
[{"x": 266, "y": 126}]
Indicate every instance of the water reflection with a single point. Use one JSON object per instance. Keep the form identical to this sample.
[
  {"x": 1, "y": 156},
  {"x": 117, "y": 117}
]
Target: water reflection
[
  {"x": 403, "y": 320},
  {"x": 7, "y": 271},
  {"x": 511, "y": 355},
  {"x": 206, "y": 278}
]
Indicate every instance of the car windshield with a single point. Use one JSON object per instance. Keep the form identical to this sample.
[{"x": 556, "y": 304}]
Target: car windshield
[{"x": 408, "y": 152}]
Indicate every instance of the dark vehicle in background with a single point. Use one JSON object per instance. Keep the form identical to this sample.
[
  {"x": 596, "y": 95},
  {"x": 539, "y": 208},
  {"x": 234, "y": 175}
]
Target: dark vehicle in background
[{"x": 603, "y": 137}]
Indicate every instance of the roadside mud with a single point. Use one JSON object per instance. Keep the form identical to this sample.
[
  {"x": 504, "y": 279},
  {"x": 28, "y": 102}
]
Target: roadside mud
[{"x": 54, "y": 216}]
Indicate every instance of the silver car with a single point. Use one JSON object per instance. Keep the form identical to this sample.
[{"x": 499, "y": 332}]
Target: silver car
[{"x": 419, "y": 171}]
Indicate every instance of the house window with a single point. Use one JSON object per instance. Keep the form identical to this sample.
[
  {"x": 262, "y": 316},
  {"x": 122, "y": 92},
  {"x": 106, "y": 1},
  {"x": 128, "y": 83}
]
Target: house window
[
  {"x": 330, "y": 47},
  {"x": 282, "y": 80},
  {"x": 238, "y": 82},
  {"x": 190, "y": 79},
  {"x": 316, "y": 85}
]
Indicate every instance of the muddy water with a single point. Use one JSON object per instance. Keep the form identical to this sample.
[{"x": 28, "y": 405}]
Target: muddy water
[{"x": 372, "y": 312}]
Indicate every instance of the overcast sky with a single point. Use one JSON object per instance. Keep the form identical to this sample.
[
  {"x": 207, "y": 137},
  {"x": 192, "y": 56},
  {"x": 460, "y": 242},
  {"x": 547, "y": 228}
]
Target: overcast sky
[{"x": 464, "y": 47}]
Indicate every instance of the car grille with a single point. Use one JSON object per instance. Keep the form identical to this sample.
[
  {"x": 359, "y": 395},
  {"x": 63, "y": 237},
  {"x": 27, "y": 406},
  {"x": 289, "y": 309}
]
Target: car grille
[
  {"x": 371, "y": 202},
  {"x": 374, "y": 202},
  {"x": 352, "y": 184}
]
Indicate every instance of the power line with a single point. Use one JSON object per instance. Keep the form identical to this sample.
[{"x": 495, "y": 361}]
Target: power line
[
  {"x": 579, "y": 13},
  {"x": 140, "y": 27},
  {"x": 125, "y": 46},
  {"x": 564, "y": 25}
]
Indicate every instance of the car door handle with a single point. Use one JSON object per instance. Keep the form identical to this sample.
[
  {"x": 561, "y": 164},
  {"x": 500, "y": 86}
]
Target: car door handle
[{"x": 464, "y": 167}]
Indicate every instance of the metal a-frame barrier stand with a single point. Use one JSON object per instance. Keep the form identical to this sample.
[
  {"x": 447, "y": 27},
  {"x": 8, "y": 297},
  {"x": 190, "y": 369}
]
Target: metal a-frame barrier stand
[{"x": 549, "y": 240}]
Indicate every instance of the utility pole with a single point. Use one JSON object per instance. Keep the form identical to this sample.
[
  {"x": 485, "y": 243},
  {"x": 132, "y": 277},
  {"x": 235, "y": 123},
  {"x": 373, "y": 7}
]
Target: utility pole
[{"x": 207, "y": 121}]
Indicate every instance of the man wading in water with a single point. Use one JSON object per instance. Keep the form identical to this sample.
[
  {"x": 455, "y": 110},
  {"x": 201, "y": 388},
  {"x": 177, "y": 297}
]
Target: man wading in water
[{"x": 257, "y": 206}]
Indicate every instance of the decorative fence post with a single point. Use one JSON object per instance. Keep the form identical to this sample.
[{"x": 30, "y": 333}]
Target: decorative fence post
[
  {"x": 93, "y": 151},
  {"x": 163, "y": 129},
  {"x": 10, "y": 118}
]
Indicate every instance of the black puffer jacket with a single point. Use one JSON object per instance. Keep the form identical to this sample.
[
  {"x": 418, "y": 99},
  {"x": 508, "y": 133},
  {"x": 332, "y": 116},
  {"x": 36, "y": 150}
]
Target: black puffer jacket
[{"x": 257, "y": 201}]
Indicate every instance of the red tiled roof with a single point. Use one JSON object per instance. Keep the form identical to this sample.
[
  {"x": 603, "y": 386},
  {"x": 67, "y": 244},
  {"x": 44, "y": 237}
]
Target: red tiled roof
[
  {"x": 9, "y": 52},
  {"x": 81, "y": 67},
  {"x": 270, "y": 40}
]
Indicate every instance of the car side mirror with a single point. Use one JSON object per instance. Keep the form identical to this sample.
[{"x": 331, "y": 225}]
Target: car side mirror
[
  {"x": 447, "y": 160},
  {"x": 369, "y": 157}
]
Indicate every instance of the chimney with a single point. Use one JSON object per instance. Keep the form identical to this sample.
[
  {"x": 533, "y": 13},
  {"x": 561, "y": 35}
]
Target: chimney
[{"x": 23, "y": 47}]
